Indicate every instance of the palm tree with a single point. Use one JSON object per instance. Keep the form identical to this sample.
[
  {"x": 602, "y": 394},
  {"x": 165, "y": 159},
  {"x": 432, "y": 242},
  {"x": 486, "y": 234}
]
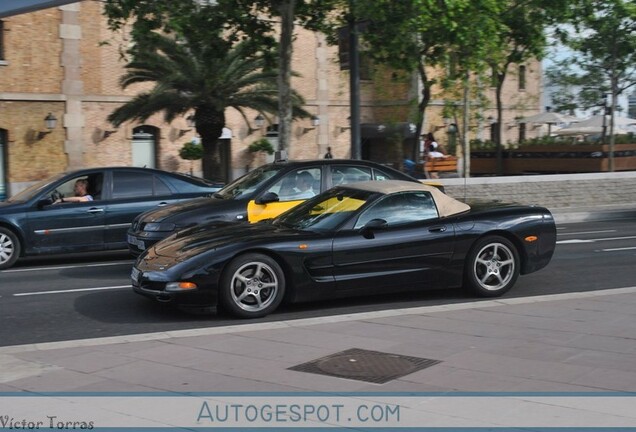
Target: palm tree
[{"x": 207, "y": 76}]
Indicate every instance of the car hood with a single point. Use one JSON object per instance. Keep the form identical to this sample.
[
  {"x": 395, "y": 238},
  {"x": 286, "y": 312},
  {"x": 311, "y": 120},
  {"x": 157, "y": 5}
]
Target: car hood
[
  {"x": 6, "y": 206},
  {"x": 209, "y": 237},
  {"x": 185, "y": 209}
]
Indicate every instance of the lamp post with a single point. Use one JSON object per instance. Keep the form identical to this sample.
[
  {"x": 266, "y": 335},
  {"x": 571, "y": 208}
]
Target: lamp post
[
  {"x": 452, "y": 137},
  {"x": 354, "y": 83}
]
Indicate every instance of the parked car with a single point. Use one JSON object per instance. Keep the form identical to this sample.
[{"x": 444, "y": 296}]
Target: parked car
[
  {"x": 261, "y": 194},
  {"x": 361, "y": 238},
  {"x": 31, "y": 223}
]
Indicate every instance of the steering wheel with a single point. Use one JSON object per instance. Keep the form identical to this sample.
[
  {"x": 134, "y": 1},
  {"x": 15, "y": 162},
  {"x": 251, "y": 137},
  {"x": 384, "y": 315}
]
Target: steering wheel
[{"x": 56, "y": 195}]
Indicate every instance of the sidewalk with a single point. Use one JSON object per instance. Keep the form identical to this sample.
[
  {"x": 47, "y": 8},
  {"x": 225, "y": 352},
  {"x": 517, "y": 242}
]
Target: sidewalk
[{"x": 575, "y": 342}]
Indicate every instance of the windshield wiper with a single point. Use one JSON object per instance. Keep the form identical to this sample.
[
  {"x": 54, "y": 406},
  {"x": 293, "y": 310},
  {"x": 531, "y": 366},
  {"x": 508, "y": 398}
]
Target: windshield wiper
[{"x": 218, "y": 195}]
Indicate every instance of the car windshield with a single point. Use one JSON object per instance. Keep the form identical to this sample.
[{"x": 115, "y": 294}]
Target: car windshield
[
  {"x": 327, "y": 211},
  {"x": 249, "y": 182},
  {"x": 34, "y": 189}
]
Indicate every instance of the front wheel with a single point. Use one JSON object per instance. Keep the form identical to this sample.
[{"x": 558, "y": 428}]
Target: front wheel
[
  {"x": 9, "y": 248},
  {"x": 492, "y": 266},
  {"x": 252, "y": 286}
]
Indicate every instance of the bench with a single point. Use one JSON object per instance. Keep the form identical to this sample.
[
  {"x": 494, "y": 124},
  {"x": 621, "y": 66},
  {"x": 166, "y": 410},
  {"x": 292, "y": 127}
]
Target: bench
[{"x": 435, "y": 165}]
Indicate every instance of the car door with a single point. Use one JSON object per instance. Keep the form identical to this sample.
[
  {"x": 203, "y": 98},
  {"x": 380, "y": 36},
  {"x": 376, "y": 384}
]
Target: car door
[
  {"x": 411, "y": 251},
  {"x": 132, "y": 192},
  {"x": 290, "y": 192},
  {"x": 67, "y": 226}
]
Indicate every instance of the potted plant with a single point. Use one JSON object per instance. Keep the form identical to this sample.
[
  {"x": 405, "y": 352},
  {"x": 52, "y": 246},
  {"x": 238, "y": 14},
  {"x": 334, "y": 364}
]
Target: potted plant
[{"x": 191, "y": 151}]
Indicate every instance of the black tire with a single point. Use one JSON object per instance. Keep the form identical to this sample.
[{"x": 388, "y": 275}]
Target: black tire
[
  {"x": 492, "y": 266},
  {"x": 252, "y": 286},
  {"x": 9, "y": 248}
]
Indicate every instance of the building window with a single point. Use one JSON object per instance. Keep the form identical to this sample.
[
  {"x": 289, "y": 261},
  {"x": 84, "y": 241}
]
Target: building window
[
  {"x": 1, "y": 40},
  {"x": 522, "y": 77},
  {"x": 3, "y": 177},
  {"x": 522, "y": 132}
]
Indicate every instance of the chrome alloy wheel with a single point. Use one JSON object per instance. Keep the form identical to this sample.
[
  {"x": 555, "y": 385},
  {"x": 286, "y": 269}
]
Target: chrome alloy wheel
[
  {"x": 494, "y": 266},
  {"x": 254, "y": 286},
  {"x": 7, "y": 248}
]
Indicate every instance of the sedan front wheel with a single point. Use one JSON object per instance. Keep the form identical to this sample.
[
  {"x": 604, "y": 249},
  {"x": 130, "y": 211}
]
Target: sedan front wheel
[
  {"x": 9, "y": 248},
  {"x": 252, "y": 286},
  {"x": 492, "y": 266}
]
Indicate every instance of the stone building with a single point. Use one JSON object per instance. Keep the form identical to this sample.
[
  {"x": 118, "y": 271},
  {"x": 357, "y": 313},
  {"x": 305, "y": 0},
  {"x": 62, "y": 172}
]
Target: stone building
[{"x": 63, "y": 63}]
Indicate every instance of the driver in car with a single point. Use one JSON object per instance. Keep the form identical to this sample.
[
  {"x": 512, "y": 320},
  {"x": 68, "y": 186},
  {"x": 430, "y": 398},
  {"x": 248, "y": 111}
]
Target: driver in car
[{"x": 81, "y": 193}]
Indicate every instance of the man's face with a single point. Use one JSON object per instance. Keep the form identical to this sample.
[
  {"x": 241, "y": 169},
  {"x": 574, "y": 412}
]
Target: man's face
[{"x": 79, "y": 189}]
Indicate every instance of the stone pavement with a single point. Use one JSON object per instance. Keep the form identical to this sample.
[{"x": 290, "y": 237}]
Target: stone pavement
[{"x": 574, "y": 342}]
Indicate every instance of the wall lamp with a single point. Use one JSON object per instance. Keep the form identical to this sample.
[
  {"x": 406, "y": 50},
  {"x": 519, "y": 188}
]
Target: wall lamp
[
  {"x": 259, "y": 121},
  {"x": 108, "y": 133},
  {"x": 191, "y": 125},
  {"x": 341, "y": 129},
  {"x": 50, "y": 121},
  {"x": 315, "y": 122}
]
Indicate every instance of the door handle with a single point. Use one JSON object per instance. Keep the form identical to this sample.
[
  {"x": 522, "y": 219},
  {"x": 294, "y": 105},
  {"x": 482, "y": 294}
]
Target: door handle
[
  {"x": 439, "y": 228},
  {"x": 95, "y": 210},
  {"x": 161, "y": 204}
]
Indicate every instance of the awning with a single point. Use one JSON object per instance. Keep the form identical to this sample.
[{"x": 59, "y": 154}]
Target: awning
[
  {"x": 382, "y": 130},
  {"x": 16, "y": 7}
]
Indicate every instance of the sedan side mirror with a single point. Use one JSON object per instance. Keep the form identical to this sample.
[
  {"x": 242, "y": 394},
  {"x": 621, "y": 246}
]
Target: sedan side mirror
[
  {"x": 44, "y": 202},
  {"x": 267, "y": 198},
  {"x": 373, "y": 225}
]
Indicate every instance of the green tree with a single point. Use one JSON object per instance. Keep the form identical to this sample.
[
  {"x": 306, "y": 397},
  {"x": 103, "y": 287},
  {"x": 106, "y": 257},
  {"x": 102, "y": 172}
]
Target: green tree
[
  {"x": 200, "y": 74},
  {"x": 521, "y": 36},
  {"x": 604, "y": 42},
  {"x": 239, "y": 20}
]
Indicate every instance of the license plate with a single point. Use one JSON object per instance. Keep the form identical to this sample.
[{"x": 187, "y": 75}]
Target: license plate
[
  {"x": 134, "y": 241},
  {"x": 135, "y": 274}
]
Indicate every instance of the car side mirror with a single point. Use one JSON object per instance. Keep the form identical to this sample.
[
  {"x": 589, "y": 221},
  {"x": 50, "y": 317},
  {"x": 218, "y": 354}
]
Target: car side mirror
[
  {"x": 267, "y": 198},
  {"x": 371, "y": 226},
  {"x": 44, "y": 202}
]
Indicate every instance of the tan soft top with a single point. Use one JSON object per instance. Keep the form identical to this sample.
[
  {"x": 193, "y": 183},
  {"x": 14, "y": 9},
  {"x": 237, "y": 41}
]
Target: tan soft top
[{"x": 446, "y": 205}]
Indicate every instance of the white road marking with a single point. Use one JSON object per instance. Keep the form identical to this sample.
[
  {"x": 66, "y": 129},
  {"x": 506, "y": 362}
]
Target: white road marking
[
  {"x": 572, "y": 241},
  {"x": 588, "y": 232},
  {"x": 240, "y": 328},
  {"x": 618, "y": 249},
  {"x": 71, "y": 290},
  {"x": 65, "y": 267}
]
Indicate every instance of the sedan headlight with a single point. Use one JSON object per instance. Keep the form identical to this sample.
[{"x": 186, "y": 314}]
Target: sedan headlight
[{"x": 157, "y": 226}]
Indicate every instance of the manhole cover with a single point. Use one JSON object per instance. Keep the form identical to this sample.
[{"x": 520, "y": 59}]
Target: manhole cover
[{"x": 365, "y": 365}]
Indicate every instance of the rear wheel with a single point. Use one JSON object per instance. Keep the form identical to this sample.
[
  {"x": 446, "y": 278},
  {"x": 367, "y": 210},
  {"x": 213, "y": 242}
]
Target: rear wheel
[
  {"x": 492, "y": 267},
  {"x": 252, "y": 286},
  {"x": 9, "y": 248}
]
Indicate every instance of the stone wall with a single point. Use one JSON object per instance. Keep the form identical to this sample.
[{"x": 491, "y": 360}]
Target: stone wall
[{"x": 552, "y": 191}]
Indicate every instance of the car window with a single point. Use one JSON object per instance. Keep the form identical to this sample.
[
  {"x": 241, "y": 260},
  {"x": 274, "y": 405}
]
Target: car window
[
  {"x": 66, "y": 188},
  {"x": 161, "y": 189},
  {"x": 250, "y": 182},
  {"x": 298, "y": 184},
  {"x": 345, "y": 174},
  {"x": 400, "y": 209},
  {"x": 128, "y": 184},
  {"x": 382, "y": 175}
]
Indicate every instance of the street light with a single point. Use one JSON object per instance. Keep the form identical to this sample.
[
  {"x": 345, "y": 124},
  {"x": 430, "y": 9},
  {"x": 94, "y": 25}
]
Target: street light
[{"x": 452, "y": 137}]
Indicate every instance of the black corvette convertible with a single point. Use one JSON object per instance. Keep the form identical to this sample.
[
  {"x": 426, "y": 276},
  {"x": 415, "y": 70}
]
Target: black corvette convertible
[{"x": 370, "y": 237}]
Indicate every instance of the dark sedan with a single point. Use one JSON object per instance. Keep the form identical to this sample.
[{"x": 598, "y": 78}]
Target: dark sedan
[
  {"x": 369, "y": 237},
  {"x": 32, "y": 223},
  {"x": 263, "y": 193}
]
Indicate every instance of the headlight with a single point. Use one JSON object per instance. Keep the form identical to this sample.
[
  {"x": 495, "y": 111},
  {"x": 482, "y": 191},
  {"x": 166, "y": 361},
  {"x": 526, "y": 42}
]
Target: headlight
[{"x": 156, "y": 226}]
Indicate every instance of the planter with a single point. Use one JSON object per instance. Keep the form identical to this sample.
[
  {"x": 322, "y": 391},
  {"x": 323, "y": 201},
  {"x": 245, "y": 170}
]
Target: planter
[{"x": 556, "y": 159}]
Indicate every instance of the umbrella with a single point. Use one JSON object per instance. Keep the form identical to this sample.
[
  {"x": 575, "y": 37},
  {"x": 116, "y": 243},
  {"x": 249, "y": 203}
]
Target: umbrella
[
  {"x": 597, "y": 121},
  {"x": 577, "y": 129},
  {"x": 548, "y": 117}
]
